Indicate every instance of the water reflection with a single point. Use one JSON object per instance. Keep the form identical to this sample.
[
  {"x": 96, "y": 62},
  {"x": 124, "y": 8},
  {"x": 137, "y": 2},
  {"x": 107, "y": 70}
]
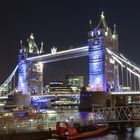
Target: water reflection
[
  {"x": 137, "y": 133},
  {"x": 107, "y": 137},
  {"x": 121, "y": 136},
  {"x": 114, "y": 135}
]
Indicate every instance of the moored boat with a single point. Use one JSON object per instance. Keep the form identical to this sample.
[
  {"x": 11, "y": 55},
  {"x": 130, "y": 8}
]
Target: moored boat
[{"x": 63, "y": 130}]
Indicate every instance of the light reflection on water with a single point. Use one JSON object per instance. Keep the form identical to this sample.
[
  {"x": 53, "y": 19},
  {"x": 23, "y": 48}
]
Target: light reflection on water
[
  {"x": 117, "y": 136},
  {"x": 107, "y": 137},
  {"x": 125, "y": 135},
  {"x": 110, "y": 136}
]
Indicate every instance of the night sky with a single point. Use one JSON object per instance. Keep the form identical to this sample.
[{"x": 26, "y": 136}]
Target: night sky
[{"x": 63, "y": 23}]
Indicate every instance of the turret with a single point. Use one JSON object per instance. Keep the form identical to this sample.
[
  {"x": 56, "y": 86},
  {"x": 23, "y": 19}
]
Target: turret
[
  {"x": 103, "y": 26},
  {"x": 22, "y": 52},
  {"x": 22, "y": 69},
  {"x": 33, "y": 49},
  {"x": 90, "y": 30},
  {"x": 41, "y": 49},
  {"x": 115, "y": 35}
]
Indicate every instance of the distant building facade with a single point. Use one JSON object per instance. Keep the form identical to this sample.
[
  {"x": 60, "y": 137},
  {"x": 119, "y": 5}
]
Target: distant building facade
[{"x": 75, "y": 82}]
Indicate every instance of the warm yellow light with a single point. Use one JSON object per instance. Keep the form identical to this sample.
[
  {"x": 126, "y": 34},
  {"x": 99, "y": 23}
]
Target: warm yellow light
[
  {"x": 87, "y": 89},
  {"x": 102, "y": 15},
  {"x": 113, "y": 36},
  {"x": 41, "y": 66}
]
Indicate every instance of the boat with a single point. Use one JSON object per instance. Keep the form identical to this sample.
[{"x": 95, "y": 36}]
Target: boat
[{"x": 64, "y": 131}]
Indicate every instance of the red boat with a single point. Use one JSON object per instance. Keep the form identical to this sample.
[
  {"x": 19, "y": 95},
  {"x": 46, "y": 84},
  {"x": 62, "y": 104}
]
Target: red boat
[{"x": 63, "y": 130}]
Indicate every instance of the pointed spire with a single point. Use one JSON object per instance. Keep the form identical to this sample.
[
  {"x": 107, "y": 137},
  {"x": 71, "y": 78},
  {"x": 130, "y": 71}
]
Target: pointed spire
[
  {"x": 21, "y": 44},
  {"x": 106, "y": 32},
  {"x": 32, "y": 36},
  {"x": 41, "y": 49},
  {"x": 102, "y": 23},
  {"x": 22, "y": 48},
  {"x": 102, "y": 15},
  {"x": 114, "y": 35},
  {"x": 107, "y": 29},
  {"x": 90, "y": 25},
  {"x": 90, "y": 22},
  {"x": 32, "y": 45},
  {"x": 90, "y": 29},
  {"x": 42, "y": 44},
  {"x": 114, "y": 30}
]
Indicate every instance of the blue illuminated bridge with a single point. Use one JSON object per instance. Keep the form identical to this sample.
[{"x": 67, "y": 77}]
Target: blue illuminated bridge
[
  {"x": 109, "y": 70},
  {"x": 62, "y": 55}
]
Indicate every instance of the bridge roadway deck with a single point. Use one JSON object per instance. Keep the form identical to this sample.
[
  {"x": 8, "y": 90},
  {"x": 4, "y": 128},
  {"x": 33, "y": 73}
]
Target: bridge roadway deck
[{"x": 62, "y": 55}]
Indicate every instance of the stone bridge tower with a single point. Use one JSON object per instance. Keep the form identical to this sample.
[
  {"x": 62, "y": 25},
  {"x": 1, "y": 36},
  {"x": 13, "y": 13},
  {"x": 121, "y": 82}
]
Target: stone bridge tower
[
  {"x": 103, "y": 70},
  {"x": 30, "y": 74}
]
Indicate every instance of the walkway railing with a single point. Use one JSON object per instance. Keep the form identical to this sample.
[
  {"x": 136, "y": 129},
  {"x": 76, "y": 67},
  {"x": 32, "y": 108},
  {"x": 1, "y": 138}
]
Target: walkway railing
[{"x": 118, "y": 113}]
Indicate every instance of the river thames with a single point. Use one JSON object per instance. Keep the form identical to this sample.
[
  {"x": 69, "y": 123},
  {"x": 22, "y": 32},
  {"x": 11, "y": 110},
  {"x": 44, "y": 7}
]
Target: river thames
[
  {"x": 117, "y": 136},
  {"x": 74, "y": 115}
]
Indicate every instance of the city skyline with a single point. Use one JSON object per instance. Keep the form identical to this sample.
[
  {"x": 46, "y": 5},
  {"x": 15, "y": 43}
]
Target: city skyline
[{"x": 63, "y": 25}]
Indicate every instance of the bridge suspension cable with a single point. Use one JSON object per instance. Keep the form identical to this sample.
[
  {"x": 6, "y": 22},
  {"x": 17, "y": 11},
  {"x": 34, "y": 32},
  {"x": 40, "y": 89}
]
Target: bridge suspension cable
[
  {"x": 125, "y": 63},
  {"x": 8, "y": 80},
  {"x": 132, "y": 74},
  {"x": 123, "y": 59}
]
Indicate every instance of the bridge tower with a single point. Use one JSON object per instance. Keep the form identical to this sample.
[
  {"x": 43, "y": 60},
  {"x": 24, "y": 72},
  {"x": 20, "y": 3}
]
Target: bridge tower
[
  {"x": 103, "y": 70},
  {"x": 30, "y": 74},
  {"x": 23, "y": 69}
]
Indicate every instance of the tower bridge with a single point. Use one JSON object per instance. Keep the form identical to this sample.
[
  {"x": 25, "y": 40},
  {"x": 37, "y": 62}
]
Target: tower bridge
[
  {"x": 103, "y": 71},
  {"x": 109, "y": 71}
]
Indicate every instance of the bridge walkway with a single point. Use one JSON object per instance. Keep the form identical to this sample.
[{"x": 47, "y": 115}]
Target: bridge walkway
[{"x": 118, "y": 114}]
